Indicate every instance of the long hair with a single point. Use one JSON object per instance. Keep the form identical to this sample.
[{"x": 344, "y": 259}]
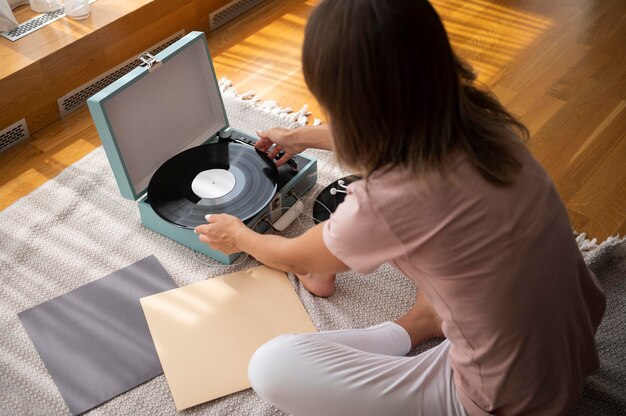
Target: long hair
[{"x": 397, "y": 95}]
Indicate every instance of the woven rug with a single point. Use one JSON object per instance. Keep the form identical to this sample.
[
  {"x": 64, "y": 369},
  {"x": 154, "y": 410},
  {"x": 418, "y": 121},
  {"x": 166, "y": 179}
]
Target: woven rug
[{"x": 77, "y": 228}]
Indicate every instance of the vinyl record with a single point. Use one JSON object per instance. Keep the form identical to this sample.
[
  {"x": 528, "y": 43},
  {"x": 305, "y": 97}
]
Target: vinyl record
[
  {"x": 328, "y": 200},
  {"x": 216, "y": 178}
]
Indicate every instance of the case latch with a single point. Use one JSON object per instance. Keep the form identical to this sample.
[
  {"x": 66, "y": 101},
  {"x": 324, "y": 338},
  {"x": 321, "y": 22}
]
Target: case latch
[{"x": 149, "y": 61}]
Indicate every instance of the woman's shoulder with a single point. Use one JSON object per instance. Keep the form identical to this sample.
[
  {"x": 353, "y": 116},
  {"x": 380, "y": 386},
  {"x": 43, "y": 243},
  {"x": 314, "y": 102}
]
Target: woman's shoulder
[{"x": 395, "y": 194}]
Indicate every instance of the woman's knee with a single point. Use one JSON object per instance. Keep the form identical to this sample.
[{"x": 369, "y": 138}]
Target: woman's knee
[{"x": 273, "y": 365}]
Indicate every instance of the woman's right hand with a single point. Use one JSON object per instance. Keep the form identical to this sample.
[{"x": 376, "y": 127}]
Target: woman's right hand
[
  {"x": 293, "y": 141},
  {"x": 283, "y": 140}
]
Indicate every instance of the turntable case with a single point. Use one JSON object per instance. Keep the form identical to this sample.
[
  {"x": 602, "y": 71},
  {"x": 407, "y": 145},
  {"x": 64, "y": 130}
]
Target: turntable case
[{"x": 169, "y": 104}]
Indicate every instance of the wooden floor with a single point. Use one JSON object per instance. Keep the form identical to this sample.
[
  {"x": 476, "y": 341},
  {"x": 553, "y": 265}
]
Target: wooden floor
[
  {"x": 38, "y": 69},
  {"x": 559, "y": 65}
]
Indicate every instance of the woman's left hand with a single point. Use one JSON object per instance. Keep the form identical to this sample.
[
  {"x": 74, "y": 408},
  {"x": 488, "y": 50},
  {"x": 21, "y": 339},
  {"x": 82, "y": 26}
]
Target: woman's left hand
[{"x": 222, "y": 232}]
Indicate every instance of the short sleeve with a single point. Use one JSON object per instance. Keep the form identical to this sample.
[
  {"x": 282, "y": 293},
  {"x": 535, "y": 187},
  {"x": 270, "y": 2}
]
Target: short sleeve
[{"x": 358, "y": 235}]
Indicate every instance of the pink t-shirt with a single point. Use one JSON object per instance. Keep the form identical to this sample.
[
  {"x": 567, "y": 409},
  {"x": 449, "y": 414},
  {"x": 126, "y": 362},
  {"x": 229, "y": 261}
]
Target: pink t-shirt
[{"x": 501, "y": 268}]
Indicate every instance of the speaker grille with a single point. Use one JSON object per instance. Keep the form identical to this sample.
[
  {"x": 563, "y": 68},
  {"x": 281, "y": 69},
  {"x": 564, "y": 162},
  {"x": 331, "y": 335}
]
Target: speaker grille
[
  {"x": 34, "y": 24},
  {"x": 230, "y": 11}
]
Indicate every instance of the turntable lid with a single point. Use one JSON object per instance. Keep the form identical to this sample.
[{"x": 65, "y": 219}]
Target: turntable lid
[{"x": 150, "y": 115}]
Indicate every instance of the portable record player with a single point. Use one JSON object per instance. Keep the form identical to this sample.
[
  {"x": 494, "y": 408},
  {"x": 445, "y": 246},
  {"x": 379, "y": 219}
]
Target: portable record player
[{"x": 169, "y": 107}]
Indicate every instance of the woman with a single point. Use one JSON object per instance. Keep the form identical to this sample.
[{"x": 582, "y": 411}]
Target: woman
[{"x": 452, "y": 198}]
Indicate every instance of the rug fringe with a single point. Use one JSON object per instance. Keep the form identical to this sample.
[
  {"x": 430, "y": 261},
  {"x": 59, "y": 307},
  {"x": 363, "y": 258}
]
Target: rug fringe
[
  {"x": 299, "y": 117},
  {"x": 587, "y": 245}
]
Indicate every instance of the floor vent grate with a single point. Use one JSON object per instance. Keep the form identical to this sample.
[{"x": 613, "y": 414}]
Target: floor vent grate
[
  {"x": 34, "y": 24},
  {"x": 14, "y": 134},
  {"x": 78, "y": 97},
  {"x": 230, "y": 11}
]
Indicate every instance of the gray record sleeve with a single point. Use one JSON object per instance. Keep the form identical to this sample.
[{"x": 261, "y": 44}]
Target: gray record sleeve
[{"x": 94, "y": 340}]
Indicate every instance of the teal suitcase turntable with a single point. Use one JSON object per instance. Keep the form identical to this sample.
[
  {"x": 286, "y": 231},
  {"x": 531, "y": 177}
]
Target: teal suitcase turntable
[{"x": 164, "y": 108}]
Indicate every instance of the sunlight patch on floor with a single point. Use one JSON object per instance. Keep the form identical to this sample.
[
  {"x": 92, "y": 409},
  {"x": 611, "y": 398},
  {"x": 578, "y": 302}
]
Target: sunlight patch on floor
[{"x": 489, "y": 36}]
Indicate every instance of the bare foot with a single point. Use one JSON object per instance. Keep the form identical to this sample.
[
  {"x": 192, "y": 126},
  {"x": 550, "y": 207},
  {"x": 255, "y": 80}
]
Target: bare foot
[
  {"x": 421, "y": 321},
  {"x": 322, "y": 285}
]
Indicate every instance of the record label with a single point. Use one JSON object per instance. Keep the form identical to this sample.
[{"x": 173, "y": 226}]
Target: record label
[{"x": 213, "y": 183}]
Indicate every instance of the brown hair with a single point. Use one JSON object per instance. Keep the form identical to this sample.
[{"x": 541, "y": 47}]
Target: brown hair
[{"x": 397, "y": 95}]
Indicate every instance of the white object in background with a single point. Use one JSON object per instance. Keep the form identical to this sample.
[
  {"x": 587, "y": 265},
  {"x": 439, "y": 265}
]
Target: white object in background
[
  {"x": 77, "y": 9},
  {"x": 289, "y": 216},
  {"x": 15, "y": 3},
  {"x": 7, "y": 20},
  {"x": 44, "y": 6}
]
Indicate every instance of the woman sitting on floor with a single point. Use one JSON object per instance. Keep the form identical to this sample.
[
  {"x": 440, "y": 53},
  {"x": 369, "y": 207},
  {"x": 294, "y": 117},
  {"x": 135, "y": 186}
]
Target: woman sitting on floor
[{"x": 453, "y": 199}]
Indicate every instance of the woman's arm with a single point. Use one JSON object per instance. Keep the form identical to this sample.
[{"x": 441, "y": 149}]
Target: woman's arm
[{"x": 304, "y": 254}]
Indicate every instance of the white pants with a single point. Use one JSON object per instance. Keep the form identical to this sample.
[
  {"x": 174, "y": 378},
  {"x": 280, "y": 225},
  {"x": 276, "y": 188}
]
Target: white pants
[{"x": 354, "y": 372}]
